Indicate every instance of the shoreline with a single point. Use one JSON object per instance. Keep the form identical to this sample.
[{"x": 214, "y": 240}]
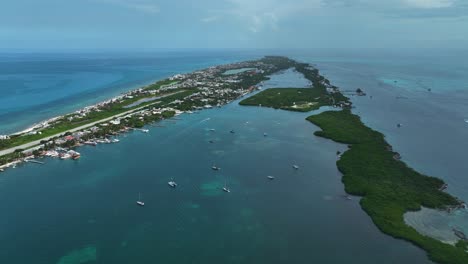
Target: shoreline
[
  {"x": 373, "y": 171},
  {"x": 385, "y": 199},
  {"x": 201, "y": 89}
]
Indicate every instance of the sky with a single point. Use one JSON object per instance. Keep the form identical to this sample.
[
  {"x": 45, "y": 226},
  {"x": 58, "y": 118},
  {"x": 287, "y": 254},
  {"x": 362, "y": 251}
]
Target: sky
[{"x": 155, "y": 24}]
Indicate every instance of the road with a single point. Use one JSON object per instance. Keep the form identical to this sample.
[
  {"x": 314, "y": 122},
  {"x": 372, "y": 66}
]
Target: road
[{"x": 37, "y": 142}]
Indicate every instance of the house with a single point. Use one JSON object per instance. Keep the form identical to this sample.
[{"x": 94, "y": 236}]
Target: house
[{"x": 4, "y": 137}]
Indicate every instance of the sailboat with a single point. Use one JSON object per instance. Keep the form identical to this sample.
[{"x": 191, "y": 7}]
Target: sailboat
[
  {"x": 225, "y": 188},
  {"x": 139, "y": 202},
  {"x": 172, "y": 183}
]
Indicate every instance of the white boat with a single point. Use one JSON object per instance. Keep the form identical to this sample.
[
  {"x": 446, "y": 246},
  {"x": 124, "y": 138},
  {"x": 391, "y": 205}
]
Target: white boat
[
  {"x": 91, "y": 143},
  {"x": 115, "y": 140},
  {"x": 270, "y": 177},
  {"x": 212, "y": 129},
  {"x": 215, "y": 168},
  {"x": 139, "y": 202},
  {"x": 2, "y": 170},
  {"x": 225, "y": 188},
  {"x": 145, "y": 130},
  {"x": 296, "y": 167},
  {"x": 172, "y": 184},
  {"x": 65, "y": 156}
]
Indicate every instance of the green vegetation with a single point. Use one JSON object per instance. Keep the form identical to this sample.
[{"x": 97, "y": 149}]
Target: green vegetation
[
  {"x": 319, "y": 82},
  {"x": 110, "y": 110},
  {"x": 294, "y": 99},
  {"x": 388, "y": 186},
  {"x": 299, "y": 99}
]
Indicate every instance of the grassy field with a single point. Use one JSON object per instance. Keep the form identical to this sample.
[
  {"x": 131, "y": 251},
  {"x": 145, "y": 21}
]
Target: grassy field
[
  {"x": 389, "y": 187},
  {"x": 294, "y": 99}
]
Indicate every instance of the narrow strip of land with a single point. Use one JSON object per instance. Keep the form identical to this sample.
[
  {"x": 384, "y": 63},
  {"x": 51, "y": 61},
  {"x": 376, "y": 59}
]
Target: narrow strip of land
[
  {"x": 37, "y": 142},
  {"x": 370, "y": 167}
]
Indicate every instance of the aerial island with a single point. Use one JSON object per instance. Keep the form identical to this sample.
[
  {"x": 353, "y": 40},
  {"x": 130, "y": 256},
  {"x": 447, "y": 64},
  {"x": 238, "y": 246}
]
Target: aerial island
[{"x": 370, "y": 167}]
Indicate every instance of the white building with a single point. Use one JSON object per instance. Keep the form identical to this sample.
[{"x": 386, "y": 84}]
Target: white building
[{"x": 4, "y": 137}]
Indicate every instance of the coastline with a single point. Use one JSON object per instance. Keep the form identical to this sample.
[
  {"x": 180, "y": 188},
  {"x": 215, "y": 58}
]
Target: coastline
[
  {"x": 371, "y": 169},
  {"x": 193, "y": 91},
  {"x": 323, "y": 83}
]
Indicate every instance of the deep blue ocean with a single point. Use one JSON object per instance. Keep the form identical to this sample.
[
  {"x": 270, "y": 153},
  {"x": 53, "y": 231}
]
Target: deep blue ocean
[{"x": 85, "y": 211}]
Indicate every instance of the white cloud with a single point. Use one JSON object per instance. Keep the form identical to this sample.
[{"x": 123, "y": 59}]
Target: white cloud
[
  {"x": 261, "y": 15},
  {"x": 146, "y": 6},
  {"x": 429, "y": 3}
]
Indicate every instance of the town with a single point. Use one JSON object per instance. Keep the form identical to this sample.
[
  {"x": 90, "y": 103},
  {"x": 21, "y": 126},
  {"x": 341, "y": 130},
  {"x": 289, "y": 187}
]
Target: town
[{"x": 104, "y": 121}]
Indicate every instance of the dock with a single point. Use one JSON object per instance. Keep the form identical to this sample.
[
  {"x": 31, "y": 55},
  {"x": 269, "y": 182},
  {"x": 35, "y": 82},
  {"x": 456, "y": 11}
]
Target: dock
[{"x": 34, "y": 161}]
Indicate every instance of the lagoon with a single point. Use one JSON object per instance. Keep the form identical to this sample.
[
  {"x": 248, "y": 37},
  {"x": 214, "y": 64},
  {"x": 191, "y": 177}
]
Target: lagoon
[{"x": 86, "y": 210}]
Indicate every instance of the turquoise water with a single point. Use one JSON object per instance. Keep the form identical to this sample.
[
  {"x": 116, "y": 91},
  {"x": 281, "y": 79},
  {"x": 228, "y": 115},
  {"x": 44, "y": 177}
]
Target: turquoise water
[
  {"x": 433, "y": 137},
  {"x": 35, "y": 87},
  {"x": 85, "y": 211}
]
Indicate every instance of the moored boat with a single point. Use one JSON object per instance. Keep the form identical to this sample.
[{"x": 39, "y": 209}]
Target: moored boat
[{"x": 139, "y": 202}]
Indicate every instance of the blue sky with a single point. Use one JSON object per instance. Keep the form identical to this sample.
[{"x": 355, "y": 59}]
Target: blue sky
[{"x": 130, "y": 24}]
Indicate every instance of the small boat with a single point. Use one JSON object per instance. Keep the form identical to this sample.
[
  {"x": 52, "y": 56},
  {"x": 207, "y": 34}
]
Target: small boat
[
  {"x": 76, "y": 156},
  {"x": 215, "y": 168},
  {"x": 270, "y": 177},
  {"x": 347, "y": 197},
  {"x": 211, "y": 141},
  {"x": 2, "y": 170},
  {"x": 139, "y": 202},
  {"x": 172, "y": 183},
  {"x": 265, "y": 134},
  {"x": 65, "y": 156},
  {"x": 225, "y": 188},
  {"x": 232, "y": 132},
  {"x": 212, "y": 129},
  {"x": 91, "y": 143},
  {"x": 145, "y": 130},
  {"x": 115, "y": 140},
  {"x": 296, "y": 167},
  {"x": 459, "y": 234},
  {"x": 399, "y": 125}
]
